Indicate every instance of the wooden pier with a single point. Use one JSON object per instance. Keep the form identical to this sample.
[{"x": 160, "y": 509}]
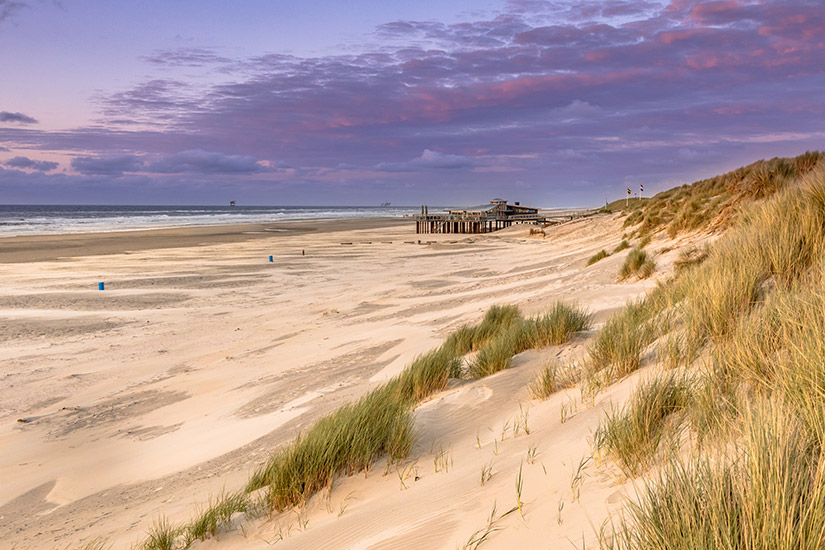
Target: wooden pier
[{"x": 483, "y": 219}]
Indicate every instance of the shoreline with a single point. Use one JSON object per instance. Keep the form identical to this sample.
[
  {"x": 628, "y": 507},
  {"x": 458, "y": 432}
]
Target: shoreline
[{"x": 50, "y": 247}]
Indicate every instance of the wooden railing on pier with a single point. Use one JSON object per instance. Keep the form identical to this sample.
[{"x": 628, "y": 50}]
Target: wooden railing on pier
[{"x": 482, "y": 222}]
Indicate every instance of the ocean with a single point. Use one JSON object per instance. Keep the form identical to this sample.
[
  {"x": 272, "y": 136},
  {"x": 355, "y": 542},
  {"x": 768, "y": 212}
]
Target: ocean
[{"x": 40, "y": 219}]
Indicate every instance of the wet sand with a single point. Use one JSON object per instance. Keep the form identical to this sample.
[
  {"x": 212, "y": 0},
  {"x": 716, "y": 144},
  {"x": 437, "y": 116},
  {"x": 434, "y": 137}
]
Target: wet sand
[{"x": 38, "y": 248}]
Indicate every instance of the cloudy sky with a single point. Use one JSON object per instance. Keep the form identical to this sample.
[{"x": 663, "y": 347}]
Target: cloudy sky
[{"x": 269, "y": 102}]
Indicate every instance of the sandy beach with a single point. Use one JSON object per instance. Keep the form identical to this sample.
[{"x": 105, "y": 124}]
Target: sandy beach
[{"x": 200, "y": 357}]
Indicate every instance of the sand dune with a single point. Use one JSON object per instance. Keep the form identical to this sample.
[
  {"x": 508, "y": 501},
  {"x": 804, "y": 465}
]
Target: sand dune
[{"x": 197, "y": 361}]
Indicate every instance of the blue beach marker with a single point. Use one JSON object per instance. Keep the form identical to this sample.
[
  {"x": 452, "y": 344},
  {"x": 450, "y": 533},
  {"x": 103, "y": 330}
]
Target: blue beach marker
[
  {"x": 100, "y": 286},
  {"x": 270, "y": 258}
]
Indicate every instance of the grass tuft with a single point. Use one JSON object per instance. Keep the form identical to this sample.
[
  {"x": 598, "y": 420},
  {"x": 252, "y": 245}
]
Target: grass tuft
[
  {"x": 600, "y": 255},
  {"x": 771, "y": 494},
  {"x": 346, "y": 441},
  {"x": 637, "y": 263},
  {"x": 551, "y": 379},
  {"x": 621, "y": 246},
  {"x": 632, "y": 434},
  {"x": 617, "y": 349},
  {"x": 216, "y": 516},
  {"x": 162, "y": 536}
]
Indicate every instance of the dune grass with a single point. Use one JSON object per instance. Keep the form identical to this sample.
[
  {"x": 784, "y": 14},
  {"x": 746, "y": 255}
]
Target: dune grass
[
  {"x": 216, "y": 516},
  {"x": 162, "y": 536},
  {"x": 621, "y": 246},
  {"x": 472, "y": 338},
  {"x": 557, "y": 325},
  {"x": 553, "y": 378},
  {"x": 637, "y": 263},
  {"x": 600, "y": 255},
  {"x": 378, "y": 425},
  {"x": 757, "y": 306},
  {"x": 551, "y": 328},
  {"x": 427, "y": 374},
  {"x": 632, "y": 434},
  {"x": 616, "y": 351},
  {"x": 689, "y": 257},
  {"x": 714, "y": 203},
  {"x": 768, "y": 495},
  {"x": 347, "y": 441}
]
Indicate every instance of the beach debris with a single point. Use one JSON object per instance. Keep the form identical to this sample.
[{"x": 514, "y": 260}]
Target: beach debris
[
  {"x": 100, "y": 286},
  {"x": 271, "y": 259}
]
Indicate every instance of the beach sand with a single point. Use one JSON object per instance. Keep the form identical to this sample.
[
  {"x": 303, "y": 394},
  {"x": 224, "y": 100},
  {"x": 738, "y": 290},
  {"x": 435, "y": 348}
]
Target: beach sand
[{"x": 200, "y": 357}]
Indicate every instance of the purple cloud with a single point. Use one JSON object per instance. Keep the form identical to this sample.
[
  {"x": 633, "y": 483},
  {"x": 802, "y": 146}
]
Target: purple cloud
[
  {"x": 186, "y": 57},
  {"x": 6, "y": 116},
  {"x": 586, "y": 91},
  {"x": 4, "y": 149},
  {"x": 429, "y": 160},
  {"x": 25, "y": 162},
  {"x": 10, "y": 8},
  {"x": 204, "y": 162},
  {"x": 107, "y": 166}
]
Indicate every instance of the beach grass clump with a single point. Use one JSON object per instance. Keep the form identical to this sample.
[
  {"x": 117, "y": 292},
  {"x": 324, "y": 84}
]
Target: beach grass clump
[
  {"x": 461, "y": 341},
  {"x": 427, "y": 374},
  {"x": 767, "y": 493},
  {"x": 715, "y": 203},
  {"x": 216, "y": 516},
  {"x": 644, "y": 241},
  {"x": 498, "y": 318},
  {"x": 617, "y": 349},
  {"x": 162, "y": 536},
  {"x": 472, "y": 338},
  {"x": 637, "y": 263},
  {"x": 600, "y": 255},
  {"x": 551, "y": 379},
  {"x": 554, "y": 327},
  {"x": 621, "y": 246},
  {"x": 557, "y": 325},
  {"x": 689, "y": 257},
  {"x": 346, "y": 441},
  {"x": 632, "y": 434},
  {"x": 496, "y": 355}
]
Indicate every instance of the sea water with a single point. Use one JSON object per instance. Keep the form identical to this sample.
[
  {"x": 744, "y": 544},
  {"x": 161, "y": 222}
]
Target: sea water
[{"x": 40, "y": 219}]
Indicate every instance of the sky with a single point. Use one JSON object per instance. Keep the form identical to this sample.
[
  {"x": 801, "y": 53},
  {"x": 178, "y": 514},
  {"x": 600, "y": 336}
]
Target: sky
[{"x": 284, "y": 102}]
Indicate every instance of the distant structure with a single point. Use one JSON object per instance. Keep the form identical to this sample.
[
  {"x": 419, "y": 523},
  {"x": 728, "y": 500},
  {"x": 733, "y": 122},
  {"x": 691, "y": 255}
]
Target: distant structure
[
  {"x": 231, "y": 203},
  {"x": 478, "y": 219},
  {"x": 386, "y": 204}
]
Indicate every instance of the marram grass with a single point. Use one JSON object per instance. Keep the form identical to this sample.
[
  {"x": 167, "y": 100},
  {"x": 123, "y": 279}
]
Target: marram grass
[
  {"x": 378, "y": 425},
  {"x": 756, "y": 305},
  {"x": 632, "y": 434}
]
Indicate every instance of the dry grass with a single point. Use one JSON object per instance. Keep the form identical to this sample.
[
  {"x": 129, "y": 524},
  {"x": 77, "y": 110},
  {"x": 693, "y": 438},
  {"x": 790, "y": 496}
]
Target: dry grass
[
  {"x": 632, "y": 434},
  {"x": 637, "y": 263},
  {"x": 600, "y": 255},
  {"x": 769, "y": 494},
  {"x": 552, "y": 328},
  {"x": 715, "y": 202},
  {"x": 621, "y": 246},
  {"x": 344, "y": 442},
  {"x": 552, "y": 378},
  {"x": 757, "y": 307}
]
